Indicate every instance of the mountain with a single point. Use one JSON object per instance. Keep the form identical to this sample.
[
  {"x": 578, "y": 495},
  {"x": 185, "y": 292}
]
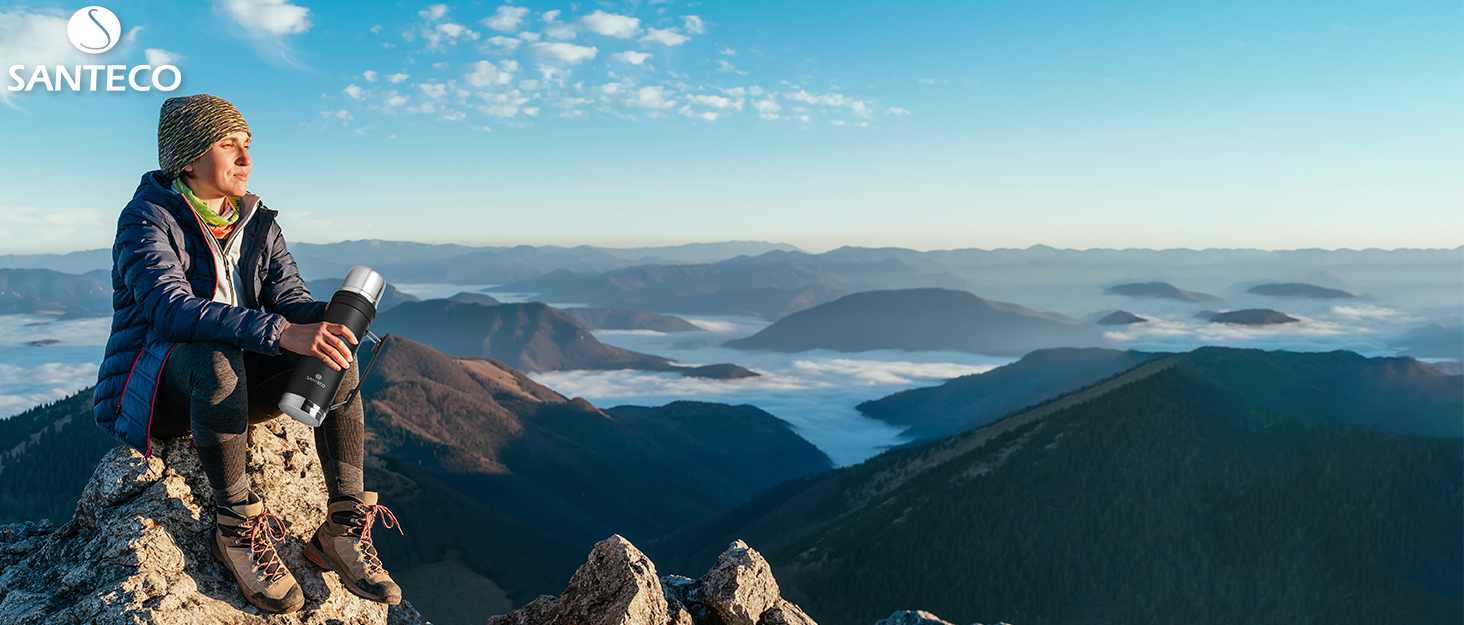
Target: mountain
[
  {"x": 530, "y": 336},
  {"x": 628, "y": 319},
  {"x": 1299, "y": 290},
  {"x": 84, "y": 261},
  {"x": 973, "y": 401},
  {"x": 324, "y": 289},
  {"x": 920, "y": 319},
  {"x": 1431, "y": 341},
  {"x": 49, "y": 452},
  {"x": 1250, "y": 317},
  {"x": 1163, "y": 290},
  {"x": 768, "y": 290},
  {"x": 44, "y": 291},
  {"x": 475, "y": 298},
  {"x": 474, "y": 458},
  {"x": 1216, "y": 486},
  {"x": 410, "y": 262},
  {"x": 1121, "y": 318},
  {"x": 565, "y": 466}
]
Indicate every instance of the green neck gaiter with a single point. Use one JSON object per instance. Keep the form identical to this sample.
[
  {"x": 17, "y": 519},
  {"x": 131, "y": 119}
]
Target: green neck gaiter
[{"x": 209, "y": 217}]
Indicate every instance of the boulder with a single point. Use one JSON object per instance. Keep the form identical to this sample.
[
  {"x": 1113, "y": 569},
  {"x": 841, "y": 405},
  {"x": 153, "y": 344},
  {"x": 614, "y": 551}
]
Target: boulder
[{"x": 137, "y": 548}]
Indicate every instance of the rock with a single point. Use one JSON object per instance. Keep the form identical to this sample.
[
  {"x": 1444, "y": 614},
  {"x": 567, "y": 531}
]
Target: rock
[
  {"x": 137, "y": 548},
  {"x": 916, "y": 617},
  {"x": 913, "y": 617},
  {"x": 618, "y": 585},
  {"x": 741, "y": 586}
]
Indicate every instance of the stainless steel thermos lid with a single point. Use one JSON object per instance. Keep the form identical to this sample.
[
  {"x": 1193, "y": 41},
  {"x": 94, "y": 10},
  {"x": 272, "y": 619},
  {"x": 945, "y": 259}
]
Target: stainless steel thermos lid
[{"x": 365, "y": 282}]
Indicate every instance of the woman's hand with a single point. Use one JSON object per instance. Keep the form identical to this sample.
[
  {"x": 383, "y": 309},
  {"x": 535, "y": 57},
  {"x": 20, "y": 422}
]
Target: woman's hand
[{"x": 321, "y": 340}]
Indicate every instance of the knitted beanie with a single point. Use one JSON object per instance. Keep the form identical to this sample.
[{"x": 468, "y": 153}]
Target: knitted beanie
[{"x": 188, "y": 126}]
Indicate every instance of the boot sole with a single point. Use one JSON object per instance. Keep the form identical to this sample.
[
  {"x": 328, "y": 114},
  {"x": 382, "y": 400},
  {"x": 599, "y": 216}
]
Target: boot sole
[
  {"x": 319, "y": 559},
  {"x": 213, "y": 548}
]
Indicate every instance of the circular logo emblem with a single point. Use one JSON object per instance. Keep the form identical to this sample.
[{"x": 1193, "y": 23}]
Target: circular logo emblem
[{"x": 94, "y": 30}]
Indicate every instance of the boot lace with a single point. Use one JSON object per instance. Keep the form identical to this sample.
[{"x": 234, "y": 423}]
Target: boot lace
[
  {"x": 366, "y": 517},
  {"x": 262, "y": 533}
]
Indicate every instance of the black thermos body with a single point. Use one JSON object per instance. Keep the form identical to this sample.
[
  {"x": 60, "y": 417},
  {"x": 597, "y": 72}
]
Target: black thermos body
[{"x": 313, "y": 387}]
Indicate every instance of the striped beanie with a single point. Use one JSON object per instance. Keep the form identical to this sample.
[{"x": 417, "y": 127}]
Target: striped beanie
[{"x": 188, "y": 126}]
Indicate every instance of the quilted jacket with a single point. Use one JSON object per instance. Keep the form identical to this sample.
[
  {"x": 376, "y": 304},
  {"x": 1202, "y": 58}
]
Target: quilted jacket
[{"x": 165, "y": 273}]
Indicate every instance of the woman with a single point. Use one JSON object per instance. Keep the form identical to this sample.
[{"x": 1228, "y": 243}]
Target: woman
[{"x": 209, "y": 318}]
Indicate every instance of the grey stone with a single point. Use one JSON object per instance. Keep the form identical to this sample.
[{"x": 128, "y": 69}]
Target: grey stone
[
  {"x": 741, "y": 586},
  {"x": 617, "y": 586},
  {"x": 136, "y": 550}
]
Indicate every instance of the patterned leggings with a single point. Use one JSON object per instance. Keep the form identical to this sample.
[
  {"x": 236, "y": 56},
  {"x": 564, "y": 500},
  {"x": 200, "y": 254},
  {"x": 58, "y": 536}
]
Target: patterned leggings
[{"x": 217, "y": 391}]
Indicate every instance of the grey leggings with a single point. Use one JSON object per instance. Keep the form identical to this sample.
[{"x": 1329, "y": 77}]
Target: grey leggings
[{"x": 217, "y": 391}]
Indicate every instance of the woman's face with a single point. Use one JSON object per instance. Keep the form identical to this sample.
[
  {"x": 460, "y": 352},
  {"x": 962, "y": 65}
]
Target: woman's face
[{"x": 223, "y": 170}]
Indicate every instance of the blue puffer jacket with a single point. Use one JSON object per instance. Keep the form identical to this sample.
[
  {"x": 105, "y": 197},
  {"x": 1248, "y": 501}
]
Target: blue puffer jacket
[{"x": 163, "y": 282}]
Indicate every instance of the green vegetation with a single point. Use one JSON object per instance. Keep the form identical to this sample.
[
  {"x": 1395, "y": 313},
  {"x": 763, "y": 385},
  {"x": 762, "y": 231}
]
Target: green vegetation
[
  {"x": 1175, "y": 499},
  {"x": 47, "y": 454}
]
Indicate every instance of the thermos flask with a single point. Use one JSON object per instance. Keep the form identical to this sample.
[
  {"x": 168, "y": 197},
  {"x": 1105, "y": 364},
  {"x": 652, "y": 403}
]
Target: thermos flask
[{"x": 313, "y": 387}]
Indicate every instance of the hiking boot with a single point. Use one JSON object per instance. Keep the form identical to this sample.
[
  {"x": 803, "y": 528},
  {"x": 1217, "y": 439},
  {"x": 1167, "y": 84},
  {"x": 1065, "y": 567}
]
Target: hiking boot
[
  {"x": 243, "y": 541},
  {"x": 343, "y": 544}
]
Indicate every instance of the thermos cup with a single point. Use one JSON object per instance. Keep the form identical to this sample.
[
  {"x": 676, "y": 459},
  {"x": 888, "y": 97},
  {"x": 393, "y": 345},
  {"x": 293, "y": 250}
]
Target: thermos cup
[{"x": 313, "y": 387}]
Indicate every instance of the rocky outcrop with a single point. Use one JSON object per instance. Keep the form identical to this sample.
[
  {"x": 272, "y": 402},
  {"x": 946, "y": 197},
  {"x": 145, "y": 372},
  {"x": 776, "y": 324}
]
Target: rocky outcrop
[
  {"x": 916, "y": 617},
  {"x": 136, "y": 550},
  {"x": 619, "y": 586}
]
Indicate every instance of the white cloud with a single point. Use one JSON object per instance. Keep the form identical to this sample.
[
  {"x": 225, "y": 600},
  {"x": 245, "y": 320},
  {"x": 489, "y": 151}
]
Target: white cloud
[
  {"x": 727, "y": 52},
  {"x": 506, "y": 19},
  {"x": 551, "y": 16},
  {"x": 35, "y": 39},
  {"x": 486, "y": 74},
  {"x": 859, "y": 108},
  {"x": 631, "y": 56},
  {"x": 340, "y": 114},
  {"x": 433, "y": 90},
  {"x": 502, "y": 104},
  {"x": 354, "y": 91},
  {"x": 370, "y": 75},
  {"x": 560, "y": 31},
  {"x": 695, "y": 25},
  {"x": 446, "y": 33},
  {"x": 454, "y": 116},
  {"x": 267, "y": 17},
  {"x": 528, "y": 85},
  {"x": 895, "y": 110},
  {"x": 566, "y": 52},
  {"x": 767, "y": 109},
  {"x": 724, "y": 66},
  {"x": 650, "y": 98},
  {"x": 716, "y": 101},
  {"x": 508, "y": 44},
  {"x": 376, "y": 30},
  {"x": 528, "y": 36},
  {"x": 611, "y": 25},
  {"x": 159, "y": 56},
  {"x": 667, "y": 36},
  {"x": 393, "y": 99},
  {"x": 398, "y": 78},
  {"x": 433, "y": 13}
]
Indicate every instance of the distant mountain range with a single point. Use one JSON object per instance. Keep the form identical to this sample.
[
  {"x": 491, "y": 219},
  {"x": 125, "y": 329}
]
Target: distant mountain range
[
  {"x": 1299, "y": 290},
  {"x": 1216, "y": 486},
  {"x": 718, "y": 278},
  {"x": 43, "y": 291},
  {"x": 973, "y": 401},
  {"x": 1432, "y": 341},
  {"x": 1163, "y": 290},
  {"x": 629, "y": 319},
  {"x": 920, "y": 319},
  {"x": 1120, "y": 318},
  {"x": 324, "y": 289},
  {"x": 530, "y": 336},
  {"x": 1248, "y": 317}
]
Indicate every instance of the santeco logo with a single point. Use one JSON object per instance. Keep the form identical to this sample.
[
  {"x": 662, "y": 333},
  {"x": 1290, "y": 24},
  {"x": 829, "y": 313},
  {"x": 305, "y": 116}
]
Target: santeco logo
[{"x": 95, "y": 30}]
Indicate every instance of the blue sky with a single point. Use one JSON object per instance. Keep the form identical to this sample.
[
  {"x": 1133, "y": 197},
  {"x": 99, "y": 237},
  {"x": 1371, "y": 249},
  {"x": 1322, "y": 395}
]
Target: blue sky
[{"x": 928, "y": 125}]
